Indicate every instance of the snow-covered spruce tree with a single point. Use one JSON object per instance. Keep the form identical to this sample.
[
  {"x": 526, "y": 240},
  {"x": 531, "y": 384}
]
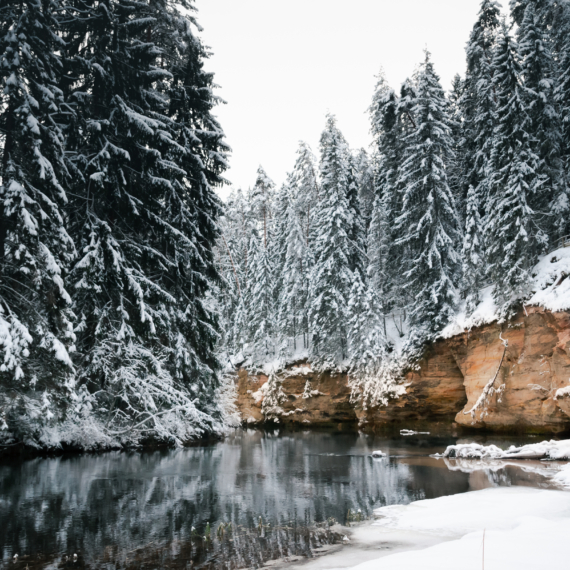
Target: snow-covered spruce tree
[
  {"x": 260, "y": 302},
  {"x": 331, "y": 277},
  {"x": 456, "y": 167},
  {"x": 473, "y": 260},
  {"x": 261, "y": 203},
  {"x": 401, "y": 256},
  {"x": 428, "y": 221},
  {"x": 36, "y": 320},
  {"x": 357, "y": 230},
  {"x": 227, "y": 253},
  {"x": 274, "y": 397},
  {"x": 387, "y": 128},
  {"x": 278, "y": 243},
  {"x": 144, "y": 217},
  {"x": 305, "y": 189},
  {"x": 539, "y": 74},
  {"x": 293, "y": 298},
  {"x": 192, "y": 206},
  {"x": 372, "y": 376},
  {"x": 365, "y": 181},
  {"x": 478, "y": 102},
  {"x": 563, "y": 88},
  {"x": 513, "y": 237}
]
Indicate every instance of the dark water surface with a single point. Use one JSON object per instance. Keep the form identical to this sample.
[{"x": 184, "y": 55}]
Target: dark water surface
[{"x": 277, "y": 494}]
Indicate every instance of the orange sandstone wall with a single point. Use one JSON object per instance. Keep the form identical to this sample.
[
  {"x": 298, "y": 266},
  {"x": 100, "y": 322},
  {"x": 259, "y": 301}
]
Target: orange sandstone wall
[{"x": 450, "y": 379}]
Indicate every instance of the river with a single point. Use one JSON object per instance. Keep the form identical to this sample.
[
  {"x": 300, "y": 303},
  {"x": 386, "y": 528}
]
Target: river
[{"x": 236, "y": 503}]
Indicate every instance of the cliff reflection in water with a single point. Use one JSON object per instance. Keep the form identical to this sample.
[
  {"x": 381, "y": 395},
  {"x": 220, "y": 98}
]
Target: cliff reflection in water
[{"x": 252, "y": 497}]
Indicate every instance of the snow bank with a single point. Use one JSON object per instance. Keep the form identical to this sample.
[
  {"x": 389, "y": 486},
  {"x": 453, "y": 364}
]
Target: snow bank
[
  {"x": 549, "y": 288},
  {"x": 563, "y": 476},
  {"x": 550, "y": 285},
  {"x": 485, "y": 313},
  {"x": 544, "y": 450},
  {"x": 524, "y": 529}
]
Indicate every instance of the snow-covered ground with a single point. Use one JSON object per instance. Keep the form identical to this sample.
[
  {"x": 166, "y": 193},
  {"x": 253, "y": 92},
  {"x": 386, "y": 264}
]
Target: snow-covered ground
[
  {"x": 549, "y": 289},
  {"x": 506, "y": 528},
  {"x": 523, "y": 528}
]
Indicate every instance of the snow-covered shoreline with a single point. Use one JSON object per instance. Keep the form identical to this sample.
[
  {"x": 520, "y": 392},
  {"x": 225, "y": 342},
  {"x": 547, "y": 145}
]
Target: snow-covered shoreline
[
  {"x": 511, "y": 528},
  {"x": 552, "y": 450},
  {"x": 520, "y": 527},
  {"x": 545, "y": 451}
]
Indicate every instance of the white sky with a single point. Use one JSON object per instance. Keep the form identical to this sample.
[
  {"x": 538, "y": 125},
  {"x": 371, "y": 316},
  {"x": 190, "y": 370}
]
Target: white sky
[{"x": 282, "y": 65}]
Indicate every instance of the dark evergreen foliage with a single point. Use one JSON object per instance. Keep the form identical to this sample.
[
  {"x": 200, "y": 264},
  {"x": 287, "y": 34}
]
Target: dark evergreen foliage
[
  {"x": 117, "y": 148},
  {"x": 514, "y": 238},
  {"x": 36, "y": 251},
  {"x": 428, "y": 222}
]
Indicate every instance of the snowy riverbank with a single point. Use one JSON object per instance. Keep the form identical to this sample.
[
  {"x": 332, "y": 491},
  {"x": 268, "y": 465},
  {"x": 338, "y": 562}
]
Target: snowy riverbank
[{"x": 511, "y": 528}]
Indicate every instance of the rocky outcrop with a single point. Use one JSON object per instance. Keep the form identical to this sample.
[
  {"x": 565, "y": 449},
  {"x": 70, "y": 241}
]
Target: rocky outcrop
[
  {"x": 535, "y": 365},
  {"x": 325, "y": 400},
  {"x": 528, "y": 360}
]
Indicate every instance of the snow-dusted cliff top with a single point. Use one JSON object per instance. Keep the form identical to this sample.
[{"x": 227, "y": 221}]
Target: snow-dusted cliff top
[{"x": 549, "y": 289}]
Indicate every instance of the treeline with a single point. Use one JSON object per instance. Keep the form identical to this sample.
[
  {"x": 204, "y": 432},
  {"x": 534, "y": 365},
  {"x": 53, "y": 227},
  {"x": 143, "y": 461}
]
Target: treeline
[
  {"x": 459, "y": 190},
  {"x": 108, "y": 217}
]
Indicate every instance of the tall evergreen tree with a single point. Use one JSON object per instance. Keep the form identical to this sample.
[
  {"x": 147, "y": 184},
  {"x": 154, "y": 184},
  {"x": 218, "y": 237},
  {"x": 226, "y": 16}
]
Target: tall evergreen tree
[
  {"x": 388, "y": 127},
  {"x": 293, "y": 302},
  {"x": 428, "y": 221},
  {"x": 331, "y": 277},
  {"x": 513, "y": 237},
  {"x": 36, "y": 320},
  {"x": 145, "y": 214},
  {"x": 357, "y": 231},
  {"x": 365, "y": 181},
  {"x": 261, "y": 202},
  {"x": 457, "y": 166},
  {"x": 563, "y": 88},
  {"x": 304, "y": 185},
  {"x": 278, "y": 241},
  {"x": 478, "y": 102},
  {"x": 230, "y": 256},
  {"x": 260, "y": 301},
  {"x": 305, "y": 189},
  {"x": 366, "y": 337},
  {"x": 539, "y": 76},
  {"x": 473, "y": 251}
]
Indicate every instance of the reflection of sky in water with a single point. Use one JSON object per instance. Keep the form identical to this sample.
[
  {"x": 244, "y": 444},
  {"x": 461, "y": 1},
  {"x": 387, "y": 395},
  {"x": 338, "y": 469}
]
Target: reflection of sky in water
[{"x": 125, "y": 500}]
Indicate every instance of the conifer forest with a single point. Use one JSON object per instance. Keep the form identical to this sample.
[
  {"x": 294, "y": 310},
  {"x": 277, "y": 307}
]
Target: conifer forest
[{"x": 130, "y": 292}]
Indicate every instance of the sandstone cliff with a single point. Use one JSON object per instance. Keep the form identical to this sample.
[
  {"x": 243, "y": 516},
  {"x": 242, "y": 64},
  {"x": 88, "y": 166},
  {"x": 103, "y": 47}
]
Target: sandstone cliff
[{"x": 528, "y": 358}]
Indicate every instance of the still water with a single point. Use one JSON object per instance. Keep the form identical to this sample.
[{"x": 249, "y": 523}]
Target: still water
[{"x": 253, "y": 497}]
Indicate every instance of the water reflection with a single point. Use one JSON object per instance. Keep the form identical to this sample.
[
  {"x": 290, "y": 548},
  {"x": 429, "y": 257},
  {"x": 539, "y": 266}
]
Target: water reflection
[{"x": 277, "y": 494}]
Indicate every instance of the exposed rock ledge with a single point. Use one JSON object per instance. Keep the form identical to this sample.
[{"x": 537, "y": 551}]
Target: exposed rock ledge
[{"x": 450, "y": 379}]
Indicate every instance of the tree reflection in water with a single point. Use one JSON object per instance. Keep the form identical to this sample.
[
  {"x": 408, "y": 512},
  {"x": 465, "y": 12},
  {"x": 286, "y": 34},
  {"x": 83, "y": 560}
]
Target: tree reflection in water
[{"x": 276, "y": 494}]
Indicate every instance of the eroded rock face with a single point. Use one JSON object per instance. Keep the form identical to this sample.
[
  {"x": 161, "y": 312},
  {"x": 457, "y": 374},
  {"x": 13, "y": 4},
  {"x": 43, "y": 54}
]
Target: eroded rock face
[
  {"x": 449, "y": 381},
  {"x": 434, "y": 392},
  {"x": 329, "y": 399},
  {"x": 536, "y": 364}
]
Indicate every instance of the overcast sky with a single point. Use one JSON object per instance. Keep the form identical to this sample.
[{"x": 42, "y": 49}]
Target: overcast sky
[{"x": 282, "y": 65}]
